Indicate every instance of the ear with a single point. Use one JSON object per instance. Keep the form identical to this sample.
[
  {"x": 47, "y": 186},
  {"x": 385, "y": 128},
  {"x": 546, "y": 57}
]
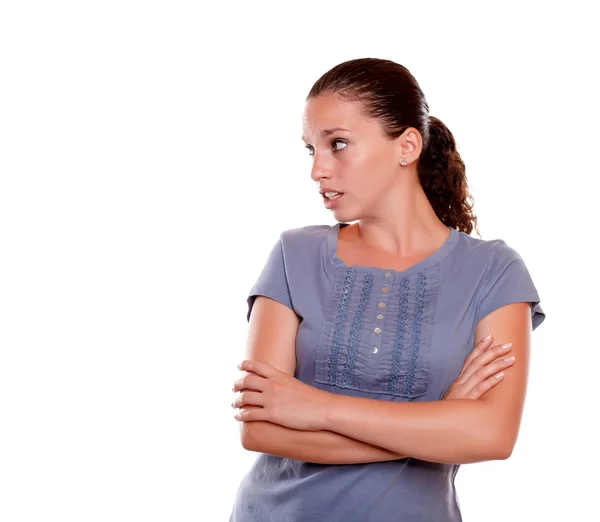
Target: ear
[{"x": 410, "y": 145}]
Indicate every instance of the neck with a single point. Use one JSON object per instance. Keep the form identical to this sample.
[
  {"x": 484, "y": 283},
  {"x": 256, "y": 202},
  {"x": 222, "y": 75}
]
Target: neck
[{"x": 405, "y": 225}]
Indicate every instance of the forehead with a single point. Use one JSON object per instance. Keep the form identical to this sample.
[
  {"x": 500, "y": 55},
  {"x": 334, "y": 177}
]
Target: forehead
[{"x": 328, "y": 111}]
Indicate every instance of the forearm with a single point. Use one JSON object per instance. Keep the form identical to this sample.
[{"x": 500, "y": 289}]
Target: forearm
[
  {"x": 319, "y": 447},
  {"x": 453, "y": 431}
]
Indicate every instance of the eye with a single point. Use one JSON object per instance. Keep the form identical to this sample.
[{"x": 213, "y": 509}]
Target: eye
[
  {"x": 311, "y": 151},
  {"x": 339, "y": 141}
]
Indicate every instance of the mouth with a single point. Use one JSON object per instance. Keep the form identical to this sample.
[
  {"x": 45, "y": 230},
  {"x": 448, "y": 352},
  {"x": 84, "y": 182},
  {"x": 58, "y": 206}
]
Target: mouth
[
  {"x": 332, "y": 196},
  {"x": 333, "y": 201}
]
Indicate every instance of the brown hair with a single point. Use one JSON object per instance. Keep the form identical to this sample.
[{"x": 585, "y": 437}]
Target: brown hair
[{"x": 391, "y": 94}]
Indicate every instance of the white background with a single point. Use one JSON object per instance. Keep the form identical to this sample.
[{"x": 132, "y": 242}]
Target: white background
[{"x": 150, "y": 155}]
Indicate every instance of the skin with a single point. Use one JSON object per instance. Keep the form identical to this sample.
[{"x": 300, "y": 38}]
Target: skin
[
  {"x": 395, "y": 218},
  {"x": 397, "y": 227}
]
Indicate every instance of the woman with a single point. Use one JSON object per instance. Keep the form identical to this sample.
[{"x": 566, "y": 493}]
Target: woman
[{"x": 361, "y": 389}]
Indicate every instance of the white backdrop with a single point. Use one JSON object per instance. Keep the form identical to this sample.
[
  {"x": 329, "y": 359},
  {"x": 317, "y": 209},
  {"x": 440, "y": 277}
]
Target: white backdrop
[{"x": 150, "y": 155}]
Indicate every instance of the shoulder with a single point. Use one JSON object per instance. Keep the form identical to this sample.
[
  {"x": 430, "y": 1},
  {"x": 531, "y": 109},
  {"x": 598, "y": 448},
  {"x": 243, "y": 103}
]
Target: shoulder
[
  {"x": 301, "y": 239},
  {"x": 504, "y": 278},
  {"x": 306, "y": 232},
  {"x": 501, "y": 269},
  {"x": 489, "y": 252}
]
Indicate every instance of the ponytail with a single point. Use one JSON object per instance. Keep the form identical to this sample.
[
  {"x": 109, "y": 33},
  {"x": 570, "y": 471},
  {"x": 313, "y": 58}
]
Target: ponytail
[{"x": 443, "y": 178}]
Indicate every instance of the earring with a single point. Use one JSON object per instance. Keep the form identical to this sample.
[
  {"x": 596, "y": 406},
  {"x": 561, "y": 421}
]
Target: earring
[{"x": 403, "y": 162}]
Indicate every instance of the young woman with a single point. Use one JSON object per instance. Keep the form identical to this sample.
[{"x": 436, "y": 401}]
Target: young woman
[{"x": 377, "y": 357}]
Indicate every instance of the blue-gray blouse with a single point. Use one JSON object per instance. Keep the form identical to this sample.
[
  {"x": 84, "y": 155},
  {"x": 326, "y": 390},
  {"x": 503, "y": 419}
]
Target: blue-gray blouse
[{"x": 381, "y": 334}]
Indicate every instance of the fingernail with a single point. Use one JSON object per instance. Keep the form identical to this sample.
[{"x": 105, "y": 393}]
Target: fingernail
[
  {"x": 506, "y": 346},
  {"x": 509, "y": 359},
  {"x": 486, "y": 338}
]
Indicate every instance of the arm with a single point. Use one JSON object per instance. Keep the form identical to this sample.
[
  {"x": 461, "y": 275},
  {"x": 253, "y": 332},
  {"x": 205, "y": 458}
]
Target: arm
[
  {"x": 272, "y": 339},
  {"x": 318, "y": 447},
  {"x": 457, "y": 431}
]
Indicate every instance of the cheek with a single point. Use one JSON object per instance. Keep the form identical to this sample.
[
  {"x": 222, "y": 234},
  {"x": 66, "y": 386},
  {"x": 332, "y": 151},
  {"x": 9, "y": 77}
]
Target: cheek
[
  {"x": 369, "y": 173},
  {"x": 374, "y": 158},
  {"x": 358, "y": 167}
]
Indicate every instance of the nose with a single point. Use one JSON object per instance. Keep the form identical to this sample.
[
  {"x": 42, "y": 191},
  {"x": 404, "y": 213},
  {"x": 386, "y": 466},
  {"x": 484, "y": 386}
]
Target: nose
[{"x": 320, "y": 169}]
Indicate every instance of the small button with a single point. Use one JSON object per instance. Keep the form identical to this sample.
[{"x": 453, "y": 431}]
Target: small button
[
  {"x": 381, "y": 305},
  {"x": 377, "y": 330},
  {"x": 388, "y": 274},
  {"x": 374, "y": 349},
  {"x": 380, "y": 316},
  {"x": 385, "y": 289}
]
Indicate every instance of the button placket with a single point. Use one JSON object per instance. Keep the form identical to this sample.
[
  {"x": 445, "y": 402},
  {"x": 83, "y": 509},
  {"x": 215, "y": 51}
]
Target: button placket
[{"x": 377, "y": 331}]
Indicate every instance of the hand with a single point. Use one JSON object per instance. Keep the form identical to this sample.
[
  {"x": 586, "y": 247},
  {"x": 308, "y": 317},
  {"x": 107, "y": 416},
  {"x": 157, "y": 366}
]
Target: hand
[
  {"x": 481, "y": 371},
  {"x": 281, "y": 398}
]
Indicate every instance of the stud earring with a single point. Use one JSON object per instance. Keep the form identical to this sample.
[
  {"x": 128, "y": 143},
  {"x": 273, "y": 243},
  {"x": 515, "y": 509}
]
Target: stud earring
[{"x": 403, "y": 162}]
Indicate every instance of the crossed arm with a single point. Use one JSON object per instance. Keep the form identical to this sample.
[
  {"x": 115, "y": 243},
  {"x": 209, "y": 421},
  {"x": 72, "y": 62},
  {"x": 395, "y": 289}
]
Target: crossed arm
[
  {"x": 357, "y": 430},
  {"x": 319, "y": 447}
]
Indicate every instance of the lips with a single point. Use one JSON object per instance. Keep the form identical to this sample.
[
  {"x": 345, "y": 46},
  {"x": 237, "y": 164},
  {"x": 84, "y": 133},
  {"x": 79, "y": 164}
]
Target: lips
[
  {"x": 339, "y": 194},
  {"x": 333, "y": 203}
]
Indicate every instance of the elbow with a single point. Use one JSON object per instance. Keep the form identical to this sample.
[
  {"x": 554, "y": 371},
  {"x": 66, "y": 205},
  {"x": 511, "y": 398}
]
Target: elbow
[
  {"x": 504, "y": 452},
  {"x": 485, "y": 453},
  {"x": 504, "y": 447},
  {"x": 488, "y": 452},
  {"x": 247, "y": 438},
  {"x": 499, "y": 453},
  {"x": 248, "y": 431},
  {"x": 500, "y": 436},
  {"x": 496, "y": 442}
]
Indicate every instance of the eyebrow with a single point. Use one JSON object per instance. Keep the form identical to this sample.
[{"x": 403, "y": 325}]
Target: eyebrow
[{"x": 327, "y": 132}]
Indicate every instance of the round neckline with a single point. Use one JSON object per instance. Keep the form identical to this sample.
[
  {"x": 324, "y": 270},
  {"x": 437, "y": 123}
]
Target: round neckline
[{"x": 432, "y": 259}]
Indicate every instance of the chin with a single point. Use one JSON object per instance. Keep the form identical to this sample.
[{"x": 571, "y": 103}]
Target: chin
[{"x": 344, "y": 217}]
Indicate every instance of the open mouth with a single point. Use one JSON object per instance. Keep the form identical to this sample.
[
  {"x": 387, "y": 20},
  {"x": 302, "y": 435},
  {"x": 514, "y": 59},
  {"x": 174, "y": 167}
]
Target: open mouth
[{"x": 332, "y": 196}]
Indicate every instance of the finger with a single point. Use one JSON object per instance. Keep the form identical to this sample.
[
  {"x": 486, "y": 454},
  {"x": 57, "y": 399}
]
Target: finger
[
  {"x": 493, "y": 353},
  {"x": 248, "y": 398},
  {"x": 483, "y": 387},
  {"x": 480, "y": 348},
  {"x": 249, "y": 415},
  {"x": 258, "y": 367},
  {"x": 489, "y": 370},
  {"x": 250, "y": 381},
  {"x": 490, "y": 355}
]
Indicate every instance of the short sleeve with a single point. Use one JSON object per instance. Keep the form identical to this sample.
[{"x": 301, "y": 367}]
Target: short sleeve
[
  {"x": 272, "y": 282},
  {"x": 508, "y": 281}
]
